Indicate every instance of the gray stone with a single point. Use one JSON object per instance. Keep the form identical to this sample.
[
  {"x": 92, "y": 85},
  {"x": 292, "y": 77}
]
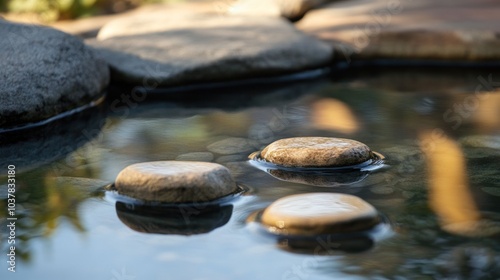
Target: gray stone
[
  {"x": 45, "y": 73},
  {"x": 166, "y": 51},
  {"x": 175, "y": 181},
  {"x": 316, "y": 152},
  {"x": 319, "y": 213},
  {"x": 291, "y": 9}
]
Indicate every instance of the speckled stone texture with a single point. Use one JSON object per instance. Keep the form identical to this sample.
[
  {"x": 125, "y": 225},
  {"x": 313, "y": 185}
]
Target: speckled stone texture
[
  {"x": 319, "y": 213},
  {"x": 45, "y": 72},
  {"x": 175, "y": 181},
  {"x": 316, "y": 152}
]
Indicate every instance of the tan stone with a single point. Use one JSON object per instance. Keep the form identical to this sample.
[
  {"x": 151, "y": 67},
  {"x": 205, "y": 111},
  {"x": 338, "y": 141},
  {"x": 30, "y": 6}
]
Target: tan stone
[
  {"x": 443, "y": 30},
  {"x": 316, "y": 152},
  {"x": 175, "y": 181},
  {"x": 319, "y": 213}
]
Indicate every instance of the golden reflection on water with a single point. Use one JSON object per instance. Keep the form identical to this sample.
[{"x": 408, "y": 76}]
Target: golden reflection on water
[
  {"x": 487, "y": 118},
  {"x": 333, "y": 114},
  {"x": 450, "y": 196}
]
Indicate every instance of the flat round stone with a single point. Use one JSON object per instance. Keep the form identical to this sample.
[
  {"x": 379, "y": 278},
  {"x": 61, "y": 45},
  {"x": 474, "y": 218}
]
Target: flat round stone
[
  {"x": 175, "y": 181},
  {"x": 316, "y": 152},
  {"x": 319, "y": 213}
]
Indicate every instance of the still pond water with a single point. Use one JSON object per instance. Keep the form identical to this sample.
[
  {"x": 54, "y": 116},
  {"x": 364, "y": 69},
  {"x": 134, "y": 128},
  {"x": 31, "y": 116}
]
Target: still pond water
[{"x": 439, "y": 189}]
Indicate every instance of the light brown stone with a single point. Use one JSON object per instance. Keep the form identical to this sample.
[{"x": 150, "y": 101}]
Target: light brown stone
[
  {"x": 319, "y": 213},
  {"x": 316, "y": 152},
  {"x": 428, "y": 30},
  {"x": 175, "y": 181}
]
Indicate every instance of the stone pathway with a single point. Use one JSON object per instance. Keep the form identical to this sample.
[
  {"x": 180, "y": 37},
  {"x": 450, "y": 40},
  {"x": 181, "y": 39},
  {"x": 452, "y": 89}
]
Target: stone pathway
[{"x": 158, "y": 51}]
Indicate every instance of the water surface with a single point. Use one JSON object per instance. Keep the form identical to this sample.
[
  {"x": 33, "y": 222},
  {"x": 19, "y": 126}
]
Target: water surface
[{"x": 440, "y": 189}]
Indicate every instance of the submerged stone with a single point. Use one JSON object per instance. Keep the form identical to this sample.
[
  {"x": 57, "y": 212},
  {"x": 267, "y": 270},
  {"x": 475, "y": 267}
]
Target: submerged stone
[
  {"x": 175, "y": 181},
  {"x": 230, "y": 146},
  {"x": 196, "y": 156},
  {"x": 158, "y": 51},
  {"x": 45, "y": 72},
  {"x": 319, "y": 213},
  {"x": 316, "y": 152}
]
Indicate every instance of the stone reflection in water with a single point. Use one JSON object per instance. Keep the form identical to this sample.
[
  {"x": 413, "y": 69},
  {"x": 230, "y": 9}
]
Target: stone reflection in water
[
  {"x": 182, "y": 220},
  {"x": 53, "y": 141},
  {"x": 318, "y": 179},
  {"x": 327, "y": 244},
  {"x": 449, "y": 191}
]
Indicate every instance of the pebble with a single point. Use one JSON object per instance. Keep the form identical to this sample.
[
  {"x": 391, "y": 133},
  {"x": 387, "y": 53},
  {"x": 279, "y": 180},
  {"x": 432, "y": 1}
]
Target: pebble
[
  {"x": 316, "y": 152},
  {"x": 175, "y": 181},
  {"x": 319, "y": 213}
]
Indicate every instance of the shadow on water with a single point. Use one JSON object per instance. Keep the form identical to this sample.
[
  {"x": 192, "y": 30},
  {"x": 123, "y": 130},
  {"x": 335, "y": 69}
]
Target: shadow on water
[{"x": 30, "y": 148}]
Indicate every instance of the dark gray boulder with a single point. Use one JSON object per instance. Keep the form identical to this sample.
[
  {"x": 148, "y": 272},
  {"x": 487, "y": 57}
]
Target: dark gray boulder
[{"x": 44, "y": 72}]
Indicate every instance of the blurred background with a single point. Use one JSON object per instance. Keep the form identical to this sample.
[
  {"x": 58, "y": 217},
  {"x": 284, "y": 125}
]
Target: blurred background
[{"x": 47, "y": 11}]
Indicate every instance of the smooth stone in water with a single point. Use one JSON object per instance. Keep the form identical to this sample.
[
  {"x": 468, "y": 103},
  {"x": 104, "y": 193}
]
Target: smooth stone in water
[
  {"x": 319, "y": 213},
  {"x": 175, "y": 181},
  {"x": 316, "y": 152},
  {"x": 44, "y": 73}
]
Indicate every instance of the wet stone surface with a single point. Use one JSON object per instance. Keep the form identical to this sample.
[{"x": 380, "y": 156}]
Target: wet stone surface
[
  {"x": 316, "y": 152},
  {"x": 175, "y": 181},
  {"x": 319, "y": 213}
]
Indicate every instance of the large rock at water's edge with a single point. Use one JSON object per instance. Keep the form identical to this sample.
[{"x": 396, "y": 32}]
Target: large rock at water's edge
[
  {"x": 316, "y": 152},
  {"x": 157, "y": 51},
  {"x": 45, "y": 72},
  {"x": 175, "y": 181},
  {"x": 319, "y": 213},
  {"x": 291, "y": 9},
  {"x": 460, "y": 30}
]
